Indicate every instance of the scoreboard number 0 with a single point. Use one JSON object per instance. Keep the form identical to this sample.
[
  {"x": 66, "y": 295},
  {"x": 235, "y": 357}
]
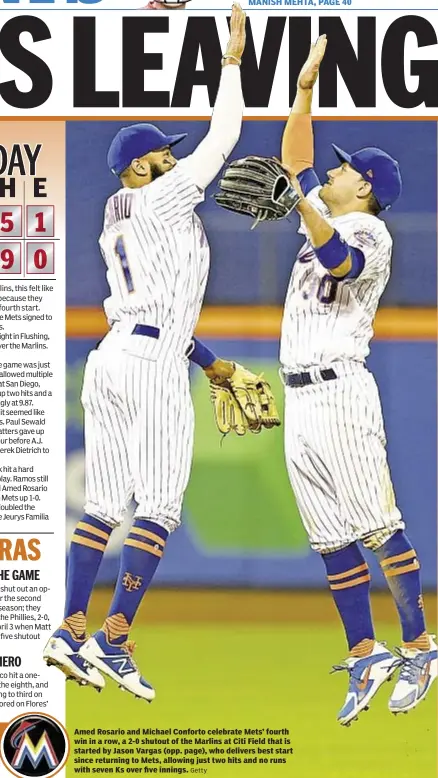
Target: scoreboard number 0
[{"x": 40, "y": 259}]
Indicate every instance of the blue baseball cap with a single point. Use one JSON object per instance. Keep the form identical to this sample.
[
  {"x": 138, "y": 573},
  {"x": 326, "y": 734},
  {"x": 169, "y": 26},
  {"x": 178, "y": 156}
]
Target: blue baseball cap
[
  {"x": 136, "y": 141},
  {"x": 377, "y": 167}
]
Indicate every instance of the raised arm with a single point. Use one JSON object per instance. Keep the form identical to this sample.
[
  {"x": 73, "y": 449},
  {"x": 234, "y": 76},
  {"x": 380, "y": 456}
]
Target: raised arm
[
  {"x": 226, "y": 123},
  {"x": 297, "y": 143},
  {"x": 340, "y": 258}
]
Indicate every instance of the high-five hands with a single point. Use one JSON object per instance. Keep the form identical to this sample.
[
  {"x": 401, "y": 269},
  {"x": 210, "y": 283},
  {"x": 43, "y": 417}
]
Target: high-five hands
[{"x": 309, "y": 71}]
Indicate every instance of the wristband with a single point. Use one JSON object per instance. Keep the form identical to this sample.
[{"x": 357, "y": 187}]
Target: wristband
[
  {"x": 231, "y": 56},
  {"x": 332, "y": 253},
  {"x": 307, "y": 180},
  {"x": 336, "y": 251},
  {"x": 201, "y": 355}
]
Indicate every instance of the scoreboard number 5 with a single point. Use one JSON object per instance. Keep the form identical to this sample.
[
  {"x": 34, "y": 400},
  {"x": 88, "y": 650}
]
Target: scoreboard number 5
[
  {"x": 10, "y": 221},
  {"x": 6, "y": 221}
]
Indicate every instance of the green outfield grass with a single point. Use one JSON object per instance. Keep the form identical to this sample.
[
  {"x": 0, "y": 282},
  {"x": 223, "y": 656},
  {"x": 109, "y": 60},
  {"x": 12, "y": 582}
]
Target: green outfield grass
[
  {"x": 272, "y": 675},
  {"x": 254, "y": 472}
]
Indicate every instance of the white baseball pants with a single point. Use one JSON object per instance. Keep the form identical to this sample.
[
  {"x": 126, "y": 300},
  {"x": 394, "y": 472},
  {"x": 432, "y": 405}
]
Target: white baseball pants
[
  {"x": 335, "y": 448},
  {"x": 139, "y": 426}
]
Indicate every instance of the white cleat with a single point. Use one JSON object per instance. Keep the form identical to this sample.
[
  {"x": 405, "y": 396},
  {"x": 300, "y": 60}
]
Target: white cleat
[
  {"x": 117, "y": 663},
  {"x": 418, "y": 672},
  {"x": 63, "y": 653},
  {"x": 366, "y": 677}
]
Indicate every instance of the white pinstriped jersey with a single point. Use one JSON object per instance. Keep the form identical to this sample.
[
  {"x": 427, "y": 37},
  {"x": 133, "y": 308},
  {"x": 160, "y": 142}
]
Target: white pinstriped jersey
[
  {"x": 157, "y": 258},
  {"x": 326, "y": 320},
  {"x": 138, "y": 411}
]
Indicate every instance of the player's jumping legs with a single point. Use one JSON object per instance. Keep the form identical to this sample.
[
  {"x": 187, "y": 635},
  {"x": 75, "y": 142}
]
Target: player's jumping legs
[
  {"x": 369, "y": 663},
  {"x": 314, "y": 452},
  {"x": 418, "y": 653},
  {"x": 141, "y": 555},
  {"x": 349, "y": 580},
  {"x": 109, "y": 649},
  {"x": 87, "y": 548},
  {"x": 108, "y": 487},
  {"x": 160, "y": 455}
]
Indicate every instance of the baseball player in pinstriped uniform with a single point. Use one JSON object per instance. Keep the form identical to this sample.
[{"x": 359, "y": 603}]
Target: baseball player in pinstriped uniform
[
  {"x": 136, "y": 395},
  {"x": 335, "y": 442}
]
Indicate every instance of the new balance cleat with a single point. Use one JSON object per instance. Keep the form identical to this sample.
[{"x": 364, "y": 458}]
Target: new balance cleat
[
  {"x": 117, "y": 663},
  {"x": 418, "y": 672},
  {"x": 62, "y": 651},
  {"x": 366, "y": 677}
]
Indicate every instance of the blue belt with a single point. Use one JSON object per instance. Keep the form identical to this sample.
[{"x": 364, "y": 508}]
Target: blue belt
[
  {"x": 154, "y": 332},
  {"x": 304, "y": 379},
  {"x": 146, "y": 330}
]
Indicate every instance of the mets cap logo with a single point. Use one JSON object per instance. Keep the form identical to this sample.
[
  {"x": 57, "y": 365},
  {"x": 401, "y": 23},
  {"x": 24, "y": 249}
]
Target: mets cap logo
[{"x": 34, "y": 745}]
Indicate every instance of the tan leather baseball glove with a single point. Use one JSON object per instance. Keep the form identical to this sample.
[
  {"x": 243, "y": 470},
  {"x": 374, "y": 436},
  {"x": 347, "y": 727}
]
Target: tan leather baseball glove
[{"x": 243, "y": 402}]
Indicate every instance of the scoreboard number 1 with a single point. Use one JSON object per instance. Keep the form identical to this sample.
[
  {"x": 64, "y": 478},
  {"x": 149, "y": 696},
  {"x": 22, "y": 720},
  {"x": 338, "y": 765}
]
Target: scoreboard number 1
[{"x": 40, "y": 221}]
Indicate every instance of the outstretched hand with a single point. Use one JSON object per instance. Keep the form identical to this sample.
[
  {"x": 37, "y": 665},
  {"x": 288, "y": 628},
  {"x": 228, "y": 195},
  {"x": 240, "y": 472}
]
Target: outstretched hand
[
  {"x": 310, "y": 70},
  {"x": 236, "y": 44}
]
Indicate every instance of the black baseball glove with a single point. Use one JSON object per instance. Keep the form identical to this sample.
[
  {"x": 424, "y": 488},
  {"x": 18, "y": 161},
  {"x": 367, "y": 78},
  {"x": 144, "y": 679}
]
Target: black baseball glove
[{"x": 259, "y": 187}]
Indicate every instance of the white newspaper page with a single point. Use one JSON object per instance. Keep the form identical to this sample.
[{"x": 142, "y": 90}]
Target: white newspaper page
[{"x": 218, "y": 388}]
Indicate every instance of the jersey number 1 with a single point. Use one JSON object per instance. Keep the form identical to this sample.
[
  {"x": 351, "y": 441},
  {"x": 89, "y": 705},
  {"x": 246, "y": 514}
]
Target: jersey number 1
[{"x": 121, "y": 253}]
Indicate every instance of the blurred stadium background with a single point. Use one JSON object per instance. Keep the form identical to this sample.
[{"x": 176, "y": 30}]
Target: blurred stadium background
[{"x": 239, "y": 593}]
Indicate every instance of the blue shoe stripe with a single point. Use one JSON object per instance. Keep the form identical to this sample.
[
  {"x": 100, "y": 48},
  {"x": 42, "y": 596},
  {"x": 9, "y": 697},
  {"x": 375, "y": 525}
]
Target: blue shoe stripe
[
  {"x": 372, "y": 660},
  {"x": 348, "y": 708},
  {"x": 79, "y": 662},
  {"x": 75, "y": 645}
]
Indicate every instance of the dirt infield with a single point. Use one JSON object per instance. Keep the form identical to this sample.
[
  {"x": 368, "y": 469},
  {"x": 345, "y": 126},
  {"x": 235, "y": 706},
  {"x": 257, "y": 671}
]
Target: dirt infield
[{"x": 249, "y": 606}]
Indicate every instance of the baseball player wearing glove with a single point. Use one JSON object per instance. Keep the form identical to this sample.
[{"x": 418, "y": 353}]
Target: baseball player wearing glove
[
  {"x": 335, "y": 443},
  {"x": 259, "y": 187},
  {"x": 138, "y": 412}
]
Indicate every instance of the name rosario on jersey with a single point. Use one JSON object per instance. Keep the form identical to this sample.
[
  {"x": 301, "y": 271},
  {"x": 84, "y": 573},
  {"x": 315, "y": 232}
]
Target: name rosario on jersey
[{"x": 119, "y": 207}]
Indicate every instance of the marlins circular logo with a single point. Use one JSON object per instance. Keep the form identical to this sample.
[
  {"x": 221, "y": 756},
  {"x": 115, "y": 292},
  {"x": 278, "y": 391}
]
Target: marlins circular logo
[{"x": 34, "y": 746}]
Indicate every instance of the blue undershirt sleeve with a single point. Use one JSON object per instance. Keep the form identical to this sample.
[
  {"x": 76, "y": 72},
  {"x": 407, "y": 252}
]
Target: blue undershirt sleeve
[
  {"x": 201, "y": 355},
  {"x": 357, "y": 262},
  {"x": 308, "y": 180},
  {"x": 335, "y": 252}
]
